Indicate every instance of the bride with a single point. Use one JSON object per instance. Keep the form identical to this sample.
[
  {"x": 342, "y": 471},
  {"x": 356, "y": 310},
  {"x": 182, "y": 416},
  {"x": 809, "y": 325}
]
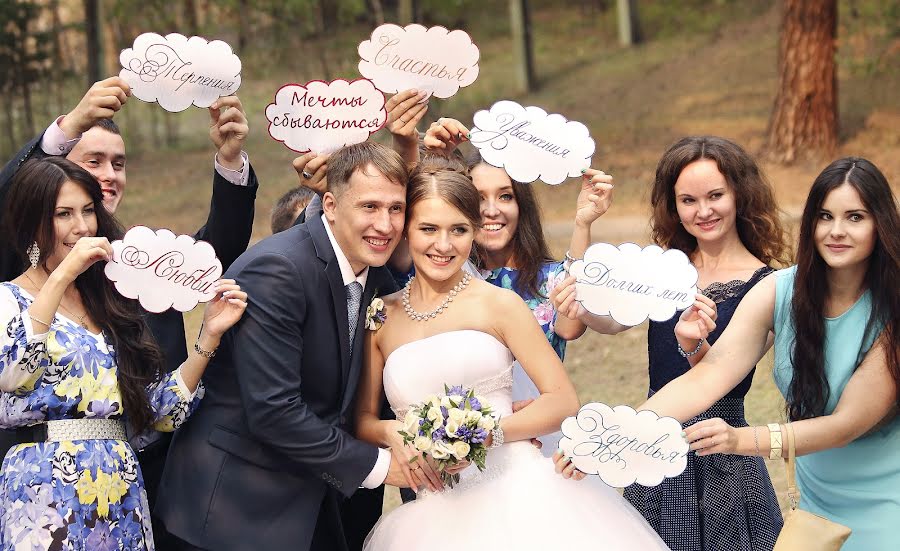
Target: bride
[{"x": 447, "y": 328}]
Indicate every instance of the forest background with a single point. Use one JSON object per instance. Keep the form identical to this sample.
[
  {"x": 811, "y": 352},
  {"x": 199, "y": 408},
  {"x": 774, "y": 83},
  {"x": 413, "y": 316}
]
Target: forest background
[{"x": 639, "y": 73}]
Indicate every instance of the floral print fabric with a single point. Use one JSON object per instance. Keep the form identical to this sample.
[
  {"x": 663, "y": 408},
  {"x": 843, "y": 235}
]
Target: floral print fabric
[
  {"x": 551, "y": 274},
  {"x": 73, "y": 495}
]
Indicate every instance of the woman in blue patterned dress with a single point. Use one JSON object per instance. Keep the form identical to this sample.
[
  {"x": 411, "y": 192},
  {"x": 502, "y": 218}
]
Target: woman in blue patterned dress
[
  {"x": 836, "y": 319},
  {"x": 710, "y": 201},
  {"x": 76, "y": 363}
]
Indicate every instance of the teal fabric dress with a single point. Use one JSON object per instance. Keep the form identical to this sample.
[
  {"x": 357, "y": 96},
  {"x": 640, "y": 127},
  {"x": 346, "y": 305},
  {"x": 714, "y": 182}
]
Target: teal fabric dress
[{"x": 857, "y": 485}]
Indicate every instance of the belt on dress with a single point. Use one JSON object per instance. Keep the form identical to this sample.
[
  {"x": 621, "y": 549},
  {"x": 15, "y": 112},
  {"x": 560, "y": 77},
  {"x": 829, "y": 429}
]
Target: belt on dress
[{"x": 79, "y": 429}]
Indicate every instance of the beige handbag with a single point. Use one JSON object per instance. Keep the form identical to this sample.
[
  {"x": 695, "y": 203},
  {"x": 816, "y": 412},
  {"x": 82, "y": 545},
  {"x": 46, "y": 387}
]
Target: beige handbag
[{"x": 804, "y": 531}]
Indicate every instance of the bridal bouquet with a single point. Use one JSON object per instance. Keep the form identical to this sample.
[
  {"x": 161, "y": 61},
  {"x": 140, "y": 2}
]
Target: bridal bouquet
[{"x": 450, "y": 428}]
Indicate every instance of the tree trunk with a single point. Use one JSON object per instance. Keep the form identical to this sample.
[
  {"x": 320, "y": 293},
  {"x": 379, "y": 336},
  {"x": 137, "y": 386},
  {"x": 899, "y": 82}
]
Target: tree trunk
[
  {"x": 629, "y": 33},
  {"x": 93, "y": 27},
  {"x": 25, "y": 91},
  {"x": 804, "y": 120},
  {"x": 191, "y": 19},
  {"x": 520, "y": 24},
  {"x": 407, "y": 12},
  {"x": 243, "y": 17},
  {"x": 377, "y": 11}
]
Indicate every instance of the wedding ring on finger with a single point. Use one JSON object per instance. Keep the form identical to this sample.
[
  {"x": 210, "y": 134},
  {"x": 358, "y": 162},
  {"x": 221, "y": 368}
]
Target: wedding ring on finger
[{"x": 306, "y": 175}]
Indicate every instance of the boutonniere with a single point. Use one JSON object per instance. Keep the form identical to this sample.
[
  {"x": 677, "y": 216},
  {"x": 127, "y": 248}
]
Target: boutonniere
[{"x": 375, "y": 314}]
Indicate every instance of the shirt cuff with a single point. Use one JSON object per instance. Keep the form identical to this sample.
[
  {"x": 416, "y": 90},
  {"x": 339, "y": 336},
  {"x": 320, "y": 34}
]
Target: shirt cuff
[
  {"x": 379, "y": 471},
  {"x": 188, "y": 395},
  {"x": 55, "y": 141},
  {"x": 238, "y": 177}
]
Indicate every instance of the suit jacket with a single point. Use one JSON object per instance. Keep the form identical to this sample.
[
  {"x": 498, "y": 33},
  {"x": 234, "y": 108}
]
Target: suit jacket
[
  {"x": 228, "y": 228},
  {"x": 253, "y": 465}
]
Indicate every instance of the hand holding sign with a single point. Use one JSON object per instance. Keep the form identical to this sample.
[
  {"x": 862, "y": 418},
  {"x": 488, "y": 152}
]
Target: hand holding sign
[
  {"x": 435, "y": 60},
  {"x": 177, "y": 71},
  {"x": 325, "y": 116},
  {"x": 101, "y": 101},
  {"x": 531, "y": 144},
  {"x": 163, "y": 271},
  {"x": 631, "y": 284},
  {"x": 623, "y": 446}
]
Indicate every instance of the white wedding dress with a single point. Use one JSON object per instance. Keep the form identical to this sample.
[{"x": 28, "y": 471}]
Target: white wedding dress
[{"x": 518, "y": 502}]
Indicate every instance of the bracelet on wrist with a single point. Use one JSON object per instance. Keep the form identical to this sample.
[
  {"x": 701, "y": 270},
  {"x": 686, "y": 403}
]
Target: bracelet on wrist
[
  {"x": 756, "y": 441},
  {"x": 205, "y": 353},
  {"x": 692, "y": 352},
  {"x": 496, "y": 437},
  {"x": 774, "y": 440},
  {"x": 568, "y": 261}
]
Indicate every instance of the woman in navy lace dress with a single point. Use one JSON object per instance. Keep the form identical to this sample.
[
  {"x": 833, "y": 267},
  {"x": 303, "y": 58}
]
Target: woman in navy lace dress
[{"x": 710, "y": 201}]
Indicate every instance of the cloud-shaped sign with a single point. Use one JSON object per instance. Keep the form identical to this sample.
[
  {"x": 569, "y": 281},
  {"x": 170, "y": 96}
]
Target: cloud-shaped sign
[
  {"x": 530, "y": 144},
  {"x": 436, "y": 60},
  {"x": 623, "y": 446},
  {"x": 178, "y": 72},
  {"x": 163, "y": 271},
  {"x": 325, "y": 116},
  {"x": 631, "y": 284}
]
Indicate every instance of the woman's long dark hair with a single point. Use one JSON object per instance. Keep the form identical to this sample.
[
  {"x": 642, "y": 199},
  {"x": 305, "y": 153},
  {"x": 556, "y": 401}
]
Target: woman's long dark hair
[
  {"x": 758, "y": 224},
  {"x": 809, "y": 390},
  {"x": 529, "y": 248},
  {"x": 30, "y": 210}
]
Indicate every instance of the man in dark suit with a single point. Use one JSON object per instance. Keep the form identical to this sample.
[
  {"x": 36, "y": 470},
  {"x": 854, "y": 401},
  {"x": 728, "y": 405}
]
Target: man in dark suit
[
  {"x": 88, "y": 136},
  {"x": 266, "y": 459}
]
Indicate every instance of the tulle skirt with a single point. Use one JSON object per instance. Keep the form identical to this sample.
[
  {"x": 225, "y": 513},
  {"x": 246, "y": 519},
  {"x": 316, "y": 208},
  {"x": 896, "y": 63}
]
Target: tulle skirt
[{"x": 518, "y": 502}]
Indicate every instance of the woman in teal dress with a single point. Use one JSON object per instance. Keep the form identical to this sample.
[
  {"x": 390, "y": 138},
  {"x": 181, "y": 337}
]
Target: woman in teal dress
[
  {"x": 76, "y": 365},
  {"x": 836, "y": 320}
]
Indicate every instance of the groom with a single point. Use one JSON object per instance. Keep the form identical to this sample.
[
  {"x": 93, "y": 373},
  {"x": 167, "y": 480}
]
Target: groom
[{"x": 267, "y": 458}]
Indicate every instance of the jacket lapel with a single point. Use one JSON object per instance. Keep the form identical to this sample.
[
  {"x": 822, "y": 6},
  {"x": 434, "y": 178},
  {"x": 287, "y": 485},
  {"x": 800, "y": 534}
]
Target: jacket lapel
[
  {"x": 375, "y": 286},
  {"x": 338, "y": 294}
]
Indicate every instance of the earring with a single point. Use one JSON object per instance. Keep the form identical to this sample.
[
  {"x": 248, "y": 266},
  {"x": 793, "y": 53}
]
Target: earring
[{"x": 34, "y": 254}]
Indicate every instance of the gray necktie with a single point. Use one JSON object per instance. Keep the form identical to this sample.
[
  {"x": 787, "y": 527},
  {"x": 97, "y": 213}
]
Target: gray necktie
[{"x": 354, "y": 294}]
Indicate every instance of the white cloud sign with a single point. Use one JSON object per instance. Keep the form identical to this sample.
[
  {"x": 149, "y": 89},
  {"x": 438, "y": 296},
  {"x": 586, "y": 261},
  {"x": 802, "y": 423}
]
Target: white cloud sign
[
  {"x": 623, "y": 446},
  {"x": 163, "y": 271},
  {"x": 178, "y": 72},
  {"x": 325, "y": 116},
  {"x": 436, "y": 60},
  {"x": 530, "y": 144},
  {"x": 632, "y": 284}
]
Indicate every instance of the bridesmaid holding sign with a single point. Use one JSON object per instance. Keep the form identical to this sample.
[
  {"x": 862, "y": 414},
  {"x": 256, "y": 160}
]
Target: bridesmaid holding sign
[{"x": 711, "y": 201}]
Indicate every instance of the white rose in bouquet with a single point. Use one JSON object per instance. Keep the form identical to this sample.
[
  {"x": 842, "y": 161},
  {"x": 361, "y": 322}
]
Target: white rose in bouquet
[
  {"x": 422, "y": 443},
  {"x": 434, "y": 414},
  {"x": 486, "y": 423},
  {"x": 411, "y": 423},
  {"x": 461, "y": 449},
  {"x": 459, "y": 415},
  {"x": 440, "y": 450},
  {"x": 452, "y": 427}
]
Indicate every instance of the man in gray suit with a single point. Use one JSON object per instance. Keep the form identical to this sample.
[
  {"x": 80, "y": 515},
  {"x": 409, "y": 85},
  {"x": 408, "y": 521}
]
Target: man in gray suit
[{"x": 267, "y": 457}]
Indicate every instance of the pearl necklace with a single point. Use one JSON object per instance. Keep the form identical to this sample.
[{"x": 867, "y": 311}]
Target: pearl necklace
[{"x": 416, "y": 316}]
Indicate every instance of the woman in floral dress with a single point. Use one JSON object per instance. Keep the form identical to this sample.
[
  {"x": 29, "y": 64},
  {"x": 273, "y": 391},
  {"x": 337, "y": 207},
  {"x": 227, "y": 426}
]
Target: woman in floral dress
[{"x": 76, "y": 363}]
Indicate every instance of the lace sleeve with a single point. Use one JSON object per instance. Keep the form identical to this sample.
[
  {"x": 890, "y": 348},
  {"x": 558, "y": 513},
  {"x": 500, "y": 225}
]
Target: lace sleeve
[{"x": 23, "y": 354}]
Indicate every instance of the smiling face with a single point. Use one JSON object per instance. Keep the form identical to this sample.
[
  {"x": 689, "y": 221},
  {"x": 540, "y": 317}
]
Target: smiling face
[
  {"x": 102, "y": 153},
  {"x": 367, "y": 217},
  {"x": 440, "y": 238},
  {"x": 73, "y": 218},
  {"x": 845, "y": 232},
  {"x": 499, "y": 211},
  {"x": 705, "y": 202}
]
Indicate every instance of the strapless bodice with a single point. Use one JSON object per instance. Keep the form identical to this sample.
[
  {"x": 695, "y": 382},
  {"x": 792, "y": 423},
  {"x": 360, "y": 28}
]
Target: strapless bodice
[{"x": 473, "y": 359}]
